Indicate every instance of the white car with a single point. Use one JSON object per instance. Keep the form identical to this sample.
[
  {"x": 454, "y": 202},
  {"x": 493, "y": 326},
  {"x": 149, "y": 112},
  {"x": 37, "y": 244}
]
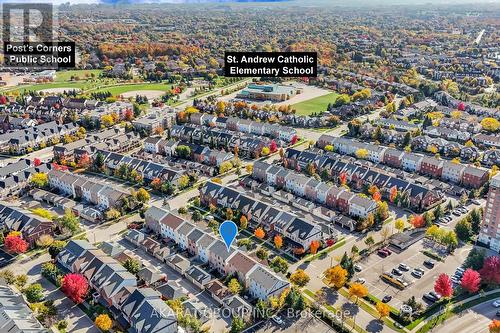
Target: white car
[
  {"x": 404, "y": 267},
  {"x": 496, "y": 304},
  {"x": 278, "y": 320},
  {"x": 360, "y": 280}
]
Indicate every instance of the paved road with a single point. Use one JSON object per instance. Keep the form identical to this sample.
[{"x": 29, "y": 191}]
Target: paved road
[
  {"x": 78, "y": 322},
  {"x": 473, "y": 320}
]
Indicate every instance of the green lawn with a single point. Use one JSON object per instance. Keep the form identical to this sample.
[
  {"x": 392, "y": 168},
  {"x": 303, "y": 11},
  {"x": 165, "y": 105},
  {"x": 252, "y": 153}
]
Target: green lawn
[
  {"x": 65, "y": 76},
  {"x": 317, "y": 104},
  {"x": 120, "y": 89}
]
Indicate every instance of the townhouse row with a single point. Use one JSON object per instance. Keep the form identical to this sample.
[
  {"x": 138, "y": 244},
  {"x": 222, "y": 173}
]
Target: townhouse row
[
  {"x": 80, "y": 187},
  {"x": 193, "y": 272},
  {"x": 141, "y": 309},
  {"x": 276, "y": 131},
  {"x": 317, "y": 191},
  {"x": 14, "y": 177},
  {"x": 298, "y": 231},
  {"x": 147, "y": 169},
  {"x": 260, "y": 282},
  {"x": 31, "y": 226},
  {"x": 112, "y": 139},
  {"x": 466, "y": 175},
  {"x": 199, "y": 153},
  {"x": 414, "y": 196},
  {"x": 21, "y": 141},
  {"x": 249, "y": 145}
]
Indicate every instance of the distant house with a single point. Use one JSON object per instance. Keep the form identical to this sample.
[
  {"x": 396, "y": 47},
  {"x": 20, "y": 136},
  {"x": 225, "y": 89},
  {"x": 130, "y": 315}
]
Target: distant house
[{"x": 263, "y": 284}]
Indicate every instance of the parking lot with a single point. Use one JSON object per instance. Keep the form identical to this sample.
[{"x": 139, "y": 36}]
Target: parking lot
[{"x": 374, "y": 265}]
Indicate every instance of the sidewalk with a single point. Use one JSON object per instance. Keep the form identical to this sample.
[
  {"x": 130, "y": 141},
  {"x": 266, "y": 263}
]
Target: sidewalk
[{"x": 467, "y": 300}]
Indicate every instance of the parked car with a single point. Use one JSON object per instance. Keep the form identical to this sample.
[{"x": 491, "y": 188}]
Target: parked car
[
  {"x": 420, "y": 270},
  {"x": 417, "y": 274},
  {"x": 278, "y": 320},
  {"x": 386, "y": 299},
  {"x": 496, "y": 303},
  {"x": 404, "y": 267},
  {"x": 429, "y": 263},
  {"x": 382, "y": 253},
  {"x": 389, "y": 252},
  {"x": 358, "y": 267},
  {"x": 498, "y": 313},
  {"x": 429, "y": 298},
  {"x": 436, "y": 295},
  {"x": 403, "y": 282},
  {"x": 397, "y": 272},
  {"x": 361, "y": 280},
  {"x": 476, "y": 202}
]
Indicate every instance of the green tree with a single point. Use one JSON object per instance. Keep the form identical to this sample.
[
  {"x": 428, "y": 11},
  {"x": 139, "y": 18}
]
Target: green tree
[
  {"x": 132, "y": 265},
  {"x": 237, "y": 324},
  {"x": 463, "y": 229},
  {"x": 475, "y": 259},
  {"x": 347, "y": 264},
  {"x": 34, "y": 293},
  {"x": 70, "y": 222},
  {"x": 262, "y": 253},
  {"x": 56, "y": 247},
  {"x": 279, "y": 265}
]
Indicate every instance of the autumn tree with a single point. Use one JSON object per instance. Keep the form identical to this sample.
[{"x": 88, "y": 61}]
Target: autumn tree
[
  {"x": 399, "y": 224},
  {"x": 278, "y": 241},
  {"x": 260, "y": 233},
  {"x": 417, "y": 221},
  {"x": 243, "y": 222},
  {"x": 494, "y": 326},
  {"x": 313, "y": 248},
  {"x": 383, "y": 309},
  {"x": 361, "y": 153},
  {"x": 15, "y": 244},
  {"x": 490, "y": 273},
  {"x": 234, "y": 286},
  {"x": 103, "y": 322},
  {"x": 336, "y": 276},
  {"x": 40, "y": 179},
  {"x": 443, "y": 285},
  {"x": 358, "y": 290},
  {"x": 490, "y": 124},
  {"x": 471, "y": 280},
  {"x": 75, "y": 286},
  {"x": 142, "y": 195},
  {"x": 299, "y": 278}
]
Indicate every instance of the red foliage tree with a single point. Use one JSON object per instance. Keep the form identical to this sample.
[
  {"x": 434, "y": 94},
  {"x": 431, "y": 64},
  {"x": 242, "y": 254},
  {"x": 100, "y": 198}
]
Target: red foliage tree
[
  {"x": 15, "y": 244},
  {"x": 294, "y": 140},
  {"x": 418, "y": 221},
  {"x": 3, "y": 100},
  {"x": 37, "y": 161},
  {"x": 84, "y": 161},
  {"x": 393, "y": 194},
  {"x": 377, "y": 196},
  {"x": 129, "y": 115},
  {"x": 490, "y": 272},
  {"x": 330, "y": 242},
  {"x": 273, "y": 146},
  {"x": 443, "y": 285},
  {"x": 471, "y": 280},
  {"x": 343, "y": 178},
  {"x": 75, "y": 286},
  {"x": 461, "y": 106}
]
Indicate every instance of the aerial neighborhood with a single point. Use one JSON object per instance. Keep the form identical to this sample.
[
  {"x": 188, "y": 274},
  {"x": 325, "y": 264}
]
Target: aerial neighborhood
[{"x": 365, "y": 198}]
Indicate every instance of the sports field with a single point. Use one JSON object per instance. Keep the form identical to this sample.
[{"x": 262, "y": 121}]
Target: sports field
[{"x": 314, "y": 105}]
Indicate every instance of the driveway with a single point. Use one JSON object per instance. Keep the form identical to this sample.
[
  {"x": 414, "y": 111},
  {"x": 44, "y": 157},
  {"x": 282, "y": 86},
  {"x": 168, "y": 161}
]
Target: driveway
[{"x": 78, "y": 321}]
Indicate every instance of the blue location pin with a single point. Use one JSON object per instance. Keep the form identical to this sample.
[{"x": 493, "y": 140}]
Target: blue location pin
[{"x": 228, "y": 230}]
